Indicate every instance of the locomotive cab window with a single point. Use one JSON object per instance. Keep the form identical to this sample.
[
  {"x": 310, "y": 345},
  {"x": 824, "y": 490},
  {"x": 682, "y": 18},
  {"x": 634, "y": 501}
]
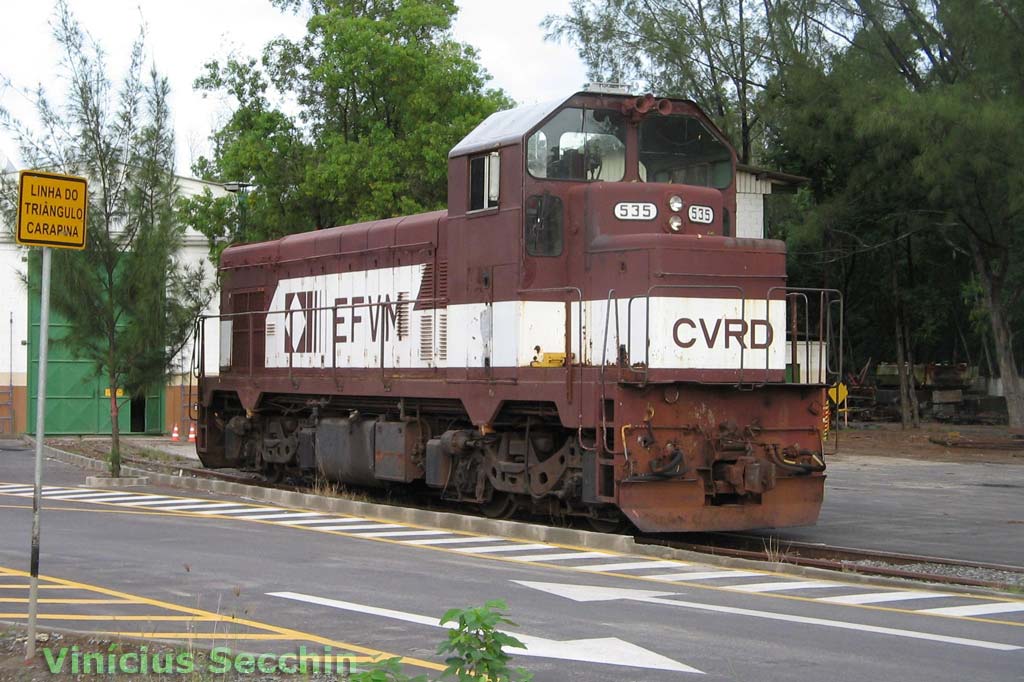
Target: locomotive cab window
[
  {"x": 483, "y": 181},
  {"x": 579, "y": 144},
  {"x": 543, "y": 225},
  {"x": 681, "y": 150}
]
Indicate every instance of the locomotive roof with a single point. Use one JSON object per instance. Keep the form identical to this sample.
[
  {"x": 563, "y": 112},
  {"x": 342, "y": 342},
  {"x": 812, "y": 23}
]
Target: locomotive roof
[{"x": 505, "y": 127}]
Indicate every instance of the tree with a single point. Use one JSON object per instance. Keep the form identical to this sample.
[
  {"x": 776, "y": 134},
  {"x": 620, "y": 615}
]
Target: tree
[
  {"x": 944, "y": 106},
  {"x": 720, "y": 53},
  {"x": 129, "y": 304},
  {"x": 383, "y": 93}
]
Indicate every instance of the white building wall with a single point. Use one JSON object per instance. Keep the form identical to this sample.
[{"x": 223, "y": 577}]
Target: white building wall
[
  {"x": 750, "y": 193},
  {"x": 13, "y": 312}
]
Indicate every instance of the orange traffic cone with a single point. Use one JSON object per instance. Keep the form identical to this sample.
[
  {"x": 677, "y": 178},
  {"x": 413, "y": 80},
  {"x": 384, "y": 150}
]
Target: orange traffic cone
[
  {"x": 175, "y": 438},
  {"x": 192, "y": 432}
]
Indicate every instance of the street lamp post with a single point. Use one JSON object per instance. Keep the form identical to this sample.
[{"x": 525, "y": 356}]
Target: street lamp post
[{"x": 240, "y": 190}]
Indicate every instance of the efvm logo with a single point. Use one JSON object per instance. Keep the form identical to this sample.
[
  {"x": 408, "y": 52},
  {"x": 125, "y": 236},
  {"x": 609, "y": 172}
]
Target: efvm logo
[
  {"x": 301, "y": 321},
  {"x": 757, "y": 335}
]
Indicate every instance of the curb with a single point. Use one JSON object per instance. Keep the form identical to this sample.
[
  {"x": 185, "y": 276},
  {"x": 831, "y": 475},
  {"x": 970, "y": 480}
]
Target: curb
[{"x": 519, "y": 530}]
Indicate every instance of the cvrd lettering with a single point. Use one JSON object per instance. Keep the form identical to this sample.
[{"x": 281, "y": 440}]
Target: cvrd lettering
[{"x": 757, "y": 335}]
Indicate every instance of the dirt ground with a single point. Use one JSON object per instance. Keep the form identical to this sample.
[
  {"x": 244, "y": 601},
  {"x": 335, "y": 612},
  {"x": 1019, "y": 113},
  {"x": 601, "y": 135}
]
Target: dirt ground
[{"x": 990, "y": 444}]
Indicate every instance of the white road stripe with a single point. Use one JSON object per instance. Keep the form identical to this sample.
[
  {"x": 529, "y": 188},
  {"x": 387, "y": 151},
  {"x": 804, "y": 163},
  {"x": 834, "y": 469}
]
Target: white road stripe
[
  {"x": 285, "y": 515},
  {"x": 702, "y": 575},
  {"x": 453, "y": 541},
  {"x": 204, "y": 506},
  {"x": 310, "y": 522},
  {"x": 84, "y": 496},
  {"x": 367, "y": 526},
  {"x": 491, "y": 549},
  {"x": 19, "y": 490},
  {"x": 122, "y": 497},
  {"x": 976, "y": 609},
  {"x": 631, "y": 566},
  {"x": 62, "y": 491},
  {"x": 882, "y": 597},
  {"x": 402, "y": 533},
  {"x": 566, "y": 556},
  {"x": 168, "y": 501},
  {"x": 784, "y": 586},
  {"x": 243, "y": 510},
  {"x": 15, "y": 486},
  {"x": 139, "y": 499}
]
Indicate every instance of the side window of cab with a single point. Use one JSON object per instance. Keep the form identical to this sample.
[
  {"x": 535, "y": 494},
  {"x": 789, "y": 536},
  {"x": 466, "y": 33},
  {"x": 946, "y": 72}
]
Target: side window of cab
[{"x": 484, "y": 175}]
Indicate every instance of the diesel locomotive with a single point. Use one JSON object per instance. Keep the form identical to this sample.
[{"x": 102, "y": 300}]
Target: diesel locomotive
[{"x": 580, "y": 334}]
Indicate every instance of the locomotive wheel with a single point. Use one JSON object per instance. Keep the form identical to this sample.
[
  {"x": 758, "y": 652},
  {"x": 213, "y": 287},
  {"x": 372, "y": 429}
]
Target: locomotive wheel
[
  {"x": 500, "y": 506},
  {"x": 274, "y": 473}
]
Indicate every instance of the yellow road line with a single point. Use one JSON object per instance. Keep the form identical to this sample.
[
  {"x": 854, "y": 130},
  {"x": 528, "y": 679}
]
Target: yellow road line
[
  {"x": 24, "y": 600},
  {"x": 282, "y": 632},
  {"x": 150, "y": 634},
  {"x": 100, "y": 617}
]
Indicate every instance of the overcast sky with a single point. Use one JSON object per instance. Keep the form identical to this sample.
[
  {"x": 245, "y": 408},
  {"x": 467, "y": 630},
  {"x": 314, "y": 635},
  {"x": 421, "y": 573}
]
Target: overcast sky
[{"x": 182, "y": 35}]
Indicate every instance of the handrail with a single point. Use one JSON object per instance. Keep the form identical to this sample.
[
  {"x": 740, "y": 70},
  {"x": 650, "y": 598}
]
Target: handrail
[{"x": 827, "y": 299}]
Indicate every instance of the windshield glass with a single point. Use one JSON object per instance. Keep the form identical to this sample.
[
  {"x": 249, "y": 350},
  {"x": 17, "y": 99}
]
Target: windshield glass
[
  {"x": 579, "y": 144},
  {"x": 680, "y": 149}
]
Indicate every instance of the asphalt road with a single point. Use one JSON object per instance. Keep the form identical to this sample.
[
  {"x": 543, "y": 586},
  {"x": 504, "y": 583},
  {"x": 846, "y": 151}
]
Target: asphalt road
[{"x": 268, "y": 579}]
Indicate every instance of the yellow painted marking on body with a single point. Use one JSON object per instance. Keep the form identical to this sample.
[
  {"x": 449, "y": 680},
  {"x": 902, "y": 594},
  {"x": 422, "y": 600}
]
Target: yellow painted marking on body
[{"x": 283, "y": 632}]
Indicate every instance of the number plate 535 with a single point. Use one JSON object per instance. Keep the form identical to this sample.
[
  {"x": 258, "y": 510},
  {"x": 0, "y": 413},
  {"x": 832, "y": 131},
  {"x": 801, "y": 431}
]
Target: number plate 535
[{"x": 631, "y": 210}]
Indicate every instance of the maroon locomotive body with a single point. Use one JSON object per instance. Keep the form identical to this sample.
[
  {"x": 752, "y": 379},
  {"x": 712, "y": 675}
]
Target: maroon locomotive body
[{"x": 579, "y": 334}]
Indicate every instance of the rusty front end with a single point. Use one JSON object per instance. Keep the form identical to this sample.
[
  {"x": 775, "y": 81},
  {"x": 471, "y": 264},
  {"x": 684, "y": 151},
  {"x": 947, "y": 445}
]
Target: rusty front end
[{"x": 699, "y": 457}]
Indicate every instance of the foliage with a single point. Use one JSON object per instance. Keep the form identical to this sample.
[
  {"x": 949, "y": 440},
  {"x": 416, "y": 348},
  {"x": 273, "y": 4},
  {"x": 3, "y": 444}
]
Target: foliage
[
  {"x": 475, "y": 645},
  {"x": 382, "y": 93},
  {"x": 388, "y": 670},
  {"x": 129, "y": 303},
  {"x": 720, "y": 54}
]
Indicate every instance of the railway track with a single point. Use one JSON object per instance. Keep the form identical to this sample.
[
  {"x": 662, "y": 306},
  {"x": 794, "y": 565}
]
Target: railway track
[
  {"x": 755, "y": 547},
  {"x": 845, "y": 559}
]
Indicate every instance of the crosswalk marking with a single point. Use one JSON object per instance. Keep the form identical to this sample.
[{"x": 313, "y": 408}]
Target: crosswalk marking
[
  {"x": 402, "y": 533},
  {"x": 784, "y": 586},
  {"x": 883, "y": 597},
  {"x": 453, "y": 541},
  {"x": 310, "y": 522},
  {"x": 248, "y": 509},
  {"x": 702, "y": 575},
  {"x": 631, "y": 566},
  {"x": 206, "y": 506},
  {"x": 365, "y": 526},
  {"x": 566, "y": 556},
  {"x": 491, "y": 549},
  {"x": 165, "y": 502},
  {"x": 285, "y": 515},
  {"x": 977, "y": 609},
  {"x": 86, "y": 496}
]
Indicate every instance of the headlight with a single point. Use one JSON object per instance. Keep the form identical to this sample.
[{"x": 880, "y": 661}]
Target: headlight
[
  {"x": 675, "y": 223},
  {"x": 675, "y": 202}
]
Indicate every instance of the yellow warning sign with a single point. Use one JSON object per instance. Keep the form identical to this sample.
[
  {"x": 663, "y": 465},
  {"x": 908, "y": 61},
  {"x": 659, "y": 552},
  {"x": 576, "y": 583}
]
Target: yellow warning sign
[
  {"x": 51, "y": 210},
  {"x": 837, "y": 394}
]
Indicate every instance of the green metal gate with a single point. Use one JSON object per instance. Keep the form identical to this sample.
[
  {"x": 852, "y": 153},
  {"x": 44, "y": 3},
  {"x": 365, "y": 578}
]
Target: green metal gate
[{"x": 76, "y": 399}]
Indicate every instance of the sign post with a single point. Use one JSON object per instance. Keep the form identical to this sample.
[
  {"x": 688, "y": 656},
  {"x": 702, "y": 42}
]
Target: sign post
[{"x": 51, "y": 213}]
